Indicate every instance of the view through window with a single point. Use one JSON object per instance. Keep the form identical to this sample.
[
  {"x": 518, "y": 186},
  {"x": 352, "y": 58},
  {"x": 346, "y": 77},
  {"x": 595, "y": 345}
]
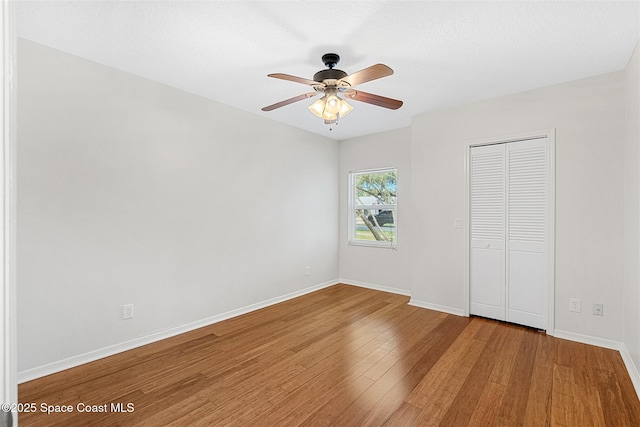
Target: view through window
[{"x": 373, "y": 207}]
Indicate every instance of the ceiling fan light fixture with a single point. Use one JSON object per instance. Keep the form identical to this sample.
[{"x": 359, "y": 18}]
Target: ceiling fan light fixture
[{"x": 330, "y": 108}]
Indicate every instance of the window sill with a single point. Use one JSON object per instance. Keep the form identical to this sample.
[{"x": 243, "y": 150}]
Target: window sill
[{"x": 373, "y": 244}]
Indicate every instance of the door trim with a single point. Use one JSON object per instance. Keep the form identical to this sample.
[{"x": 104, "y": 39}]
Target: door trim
[
  {"x": 8, "y": 357},
  {"x": 550, "y": 134}
]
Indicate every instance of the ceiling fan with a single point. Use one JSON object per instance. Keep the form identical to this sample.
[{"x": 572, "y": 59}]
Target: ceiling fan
[{"x": 331, "y": 82}]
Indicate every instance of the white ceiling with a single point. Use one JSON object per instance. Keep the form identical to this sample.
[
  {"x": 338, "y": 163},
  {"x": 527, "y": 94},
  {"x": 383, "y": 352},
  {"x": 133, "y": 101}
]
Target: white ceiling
[{"x": 444, "y": 53}]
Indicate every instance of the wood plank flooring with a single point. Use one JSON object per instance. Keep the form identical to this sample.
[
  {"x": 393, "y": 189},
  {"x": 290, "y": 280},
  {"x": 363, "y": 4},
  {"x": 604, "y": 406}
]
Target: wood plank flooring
[{"x": 346, "y": 356}]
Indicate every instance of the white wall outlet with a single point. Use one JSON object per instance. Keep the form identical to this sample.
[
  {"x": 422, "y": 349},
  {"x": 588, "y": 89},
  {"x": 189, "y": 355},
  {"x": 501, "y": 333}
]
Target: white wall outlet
[
  {"x": 457, "y": 223},
  {"x": 598, "y": 309},
  {"x": 574, "y": 305},
  {"x": 306, "y": 270},
  {"x": 127, "y": 311}
]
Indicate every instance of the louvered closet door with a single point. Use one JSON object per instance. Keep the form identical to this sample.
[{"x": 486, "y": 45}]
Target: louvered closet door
[
  {"x": 487, "y": 231},
  {"x": 527, "y": 267},
  {"x": 508, "y": 268}
]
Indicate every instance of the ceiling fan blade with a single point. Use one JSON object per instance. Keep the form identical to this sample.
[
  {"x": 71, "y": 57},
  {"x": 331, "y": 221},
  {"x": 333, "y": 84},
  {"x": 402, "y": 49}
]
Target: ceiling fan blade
[
  {"x": 293, "y": 79},
  {"x": 369, "y": 98},
  {"x": 370, "y": 73},
  {"x": 289, "y": 101}
]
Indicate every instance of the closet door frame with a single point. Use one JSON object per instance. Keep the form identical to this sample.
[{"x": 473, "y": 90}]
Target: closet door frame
[{"x": 550, "y": 214}]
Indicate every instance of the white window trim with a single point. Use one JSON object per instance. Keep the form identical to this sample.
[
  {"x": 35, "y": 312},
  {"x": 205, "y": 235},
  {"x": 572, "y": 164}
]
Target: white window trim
[{"x": 353, "y": 206}]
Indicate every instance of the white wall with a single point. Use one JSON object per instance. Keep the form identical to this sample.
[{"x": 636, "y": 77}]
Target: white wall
[
  {"x": 589, "y": 118},
  {"x": 631, "y": 290},
  {"x": 380, "y": 268},
  {"x": 134, "y": 192}
]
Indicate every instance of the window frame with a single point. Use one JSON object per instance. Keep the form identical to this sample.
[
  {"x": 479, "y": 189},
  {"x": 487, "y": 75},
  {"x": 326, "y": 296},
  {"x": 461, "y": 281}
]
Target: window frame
[{"x": 352, "y": 216}]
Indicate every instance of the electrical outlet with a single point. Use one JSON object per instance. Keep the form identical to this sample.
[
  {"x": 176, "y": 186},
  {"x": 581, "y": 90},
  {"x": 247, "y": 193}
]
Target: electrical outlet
[
  {"x": 306, "y": 270},
  {"x": 127, "y": 311},
  {"x": 574, "y": 305},
  {"x": 457, "y": 223},
  {"x": 598, "y": 309}
]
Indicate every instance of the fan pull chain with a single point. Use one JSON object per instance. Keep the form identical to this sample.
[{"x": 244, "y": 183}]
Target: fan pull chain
[{"x": 337, "y": 119}]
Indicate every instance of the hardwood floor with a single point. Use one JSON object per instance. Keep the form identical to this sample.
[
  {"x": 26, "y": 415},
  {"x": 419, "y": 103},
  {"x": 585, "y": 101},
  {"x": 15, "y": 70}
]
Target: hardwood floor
[{"x": 347, "y": 356}]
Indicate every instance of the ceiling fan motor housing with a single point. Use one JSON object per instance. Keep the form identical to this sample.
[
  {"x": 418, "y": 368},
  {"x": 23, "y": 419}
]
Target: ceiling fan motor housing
[{"x": 329, "y": 73}]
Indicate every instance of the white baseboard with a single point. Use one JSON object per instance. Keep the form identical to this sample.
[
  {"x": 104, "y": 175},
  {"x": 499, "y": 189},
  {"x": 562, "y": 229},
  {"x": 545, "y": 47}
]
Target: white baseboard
[
  {"x": 631, "y": 368},
  {"x": 587, "y": 339},
  {"x": 376, "y": 287},
  {"x": 91, "y": 356},
  {"x": 437, "y": 307}
]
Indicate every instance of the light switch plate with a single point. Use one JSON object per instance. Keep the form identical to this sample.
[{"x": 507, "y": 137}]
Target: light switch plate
[{"x": 574, "y": 305}]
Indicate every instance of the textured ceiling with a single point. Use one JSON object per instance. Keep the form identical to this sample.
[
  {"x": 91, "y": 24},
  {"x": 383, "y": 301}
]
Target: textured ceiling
[{"x": 444, "y": 53}]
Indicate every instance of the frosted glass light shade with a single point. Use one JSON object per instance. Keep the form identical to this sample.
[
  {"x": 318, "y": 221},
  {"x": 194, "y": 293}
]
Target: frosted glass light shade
[{"x": 330, "y": 107}]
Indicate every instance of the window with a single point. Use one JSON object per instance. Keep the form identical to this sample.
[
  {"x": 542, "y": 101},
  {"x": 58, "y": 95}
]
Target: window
[{"x": 372, "y": 207}]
